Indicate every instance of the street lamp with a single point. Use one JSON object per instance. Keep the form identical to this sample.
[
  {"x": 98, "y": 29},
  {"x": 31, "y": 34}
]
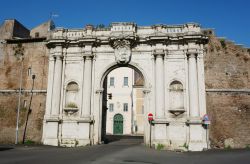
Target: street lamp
[
  {"x": 19, "y": 100},
  {"x": 29, "y": 110}
]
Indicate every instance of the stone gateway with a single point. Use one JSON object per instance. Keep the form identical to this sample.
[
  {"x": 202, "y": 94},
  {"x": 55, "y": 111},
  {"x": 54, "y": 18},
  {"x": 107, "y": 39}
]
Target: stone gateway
[{"x": 170, "y": 59}]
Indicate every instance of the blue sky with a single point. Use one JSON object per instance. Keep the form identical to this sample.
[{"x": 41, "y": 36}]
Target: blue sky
[{"x": 229, "y": 18}]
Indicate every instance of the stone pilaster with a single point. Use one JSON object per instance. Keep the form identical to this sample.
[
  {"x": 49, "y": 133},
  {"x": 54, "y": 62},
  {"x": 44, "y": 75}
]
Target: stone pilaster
[
  {"x": 160, "y": 127},
  {"x": 84, "y": 123},
  {"x": 98, "y": 133},
  {"x": 193, "y": 85},
  {"x": 57, "y": 86},
  {"x": 159, "y": 85},
  {"x": 50, "y": 129},
  {"x": 87, "y": 87},
  {"x": 196, "y": 132},
  {"x": 50, "y": 85}
]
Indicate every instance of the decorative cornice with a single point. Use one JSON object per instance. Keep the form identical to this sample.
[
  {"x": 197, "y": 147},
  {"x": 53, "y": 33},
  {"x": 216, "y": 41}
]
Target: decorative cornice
[
  {"x": 182, "y": 38},
  {"x": 194, "y": 120},
  {"x": 88, "y": 41},
  {"x": 56, "y": 42},
  {"x": 128, "y": 40}
]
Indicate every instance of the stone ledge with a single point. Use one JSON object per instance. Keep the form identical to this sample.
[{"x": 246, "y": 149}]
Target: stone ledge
[
  {"x": 52, "y": 119},
  {"x": 160, "y": 121},
  {"x": 71, "y": 111},
  {"x": 85, "y": 120},
  {"x": 195, "y": 120}
]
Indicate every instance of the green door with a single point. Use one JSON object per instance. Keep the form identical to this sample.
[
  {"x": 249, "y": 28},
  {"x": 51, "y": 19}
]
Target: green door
[{"x": 118, "y": 124}]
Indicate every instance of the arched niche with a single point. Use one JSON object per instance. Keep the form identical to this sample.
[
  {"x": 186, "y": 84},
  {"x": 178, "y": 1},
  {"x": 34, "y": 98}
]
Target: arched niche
[
  {"x": 72, "y": 94},
  {"x": 176, "y": 96}
]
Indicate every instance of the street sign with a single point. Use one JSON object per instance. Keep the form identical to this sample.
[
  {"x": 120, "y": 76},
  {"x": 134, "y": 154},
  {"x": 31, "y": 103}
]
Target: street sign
[
  {"x": 150, "y": 120},
  {"x": 150, "y": 117},
  {"x": 206, "y": 119}
]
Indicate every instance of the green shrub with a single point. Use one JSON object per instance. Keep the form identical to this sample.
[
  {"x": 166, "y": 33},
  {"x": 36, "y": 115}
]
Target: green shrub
[
  {"x": 185, "y": 145},
  {"x": 160, "y": 146},
  {"x": 29, "y": 142},
  {"x": 71, "y": 105},
  {"x": 223, "y": 43}
]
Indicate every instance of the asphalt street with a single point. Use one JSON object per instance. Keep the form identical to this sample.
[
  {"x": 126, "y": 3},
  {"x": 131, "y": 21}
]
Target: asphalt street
[{"x": 123, "y": 151}]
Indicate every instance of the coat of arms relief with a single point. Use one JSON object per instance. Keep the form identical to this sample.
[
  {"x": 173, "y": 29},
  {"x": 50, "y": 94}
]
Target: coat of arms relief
[{"x": 122, "y": 51}]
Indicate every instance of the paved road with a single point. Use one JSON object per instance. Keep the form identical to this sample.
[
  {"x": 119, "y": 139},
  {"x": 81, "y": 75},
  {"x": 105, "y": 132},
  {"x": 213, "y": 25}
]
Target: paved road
[{"x": 124, "y": 151}]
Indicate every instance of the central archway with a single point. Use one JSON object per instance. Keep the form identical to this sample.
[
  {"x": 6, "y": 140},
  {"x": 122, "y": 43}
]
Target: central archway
[{"x": 132, "y": 111}]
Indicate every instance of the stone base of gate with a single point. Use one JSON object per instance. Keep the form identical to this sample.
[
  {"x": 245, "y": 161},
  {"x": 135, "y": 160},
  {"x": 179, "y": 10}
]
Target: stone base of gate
[
  {"x": 75, "y": 132},
  {"x": 197, "y": 146},
  {"x": 197, "y": 136},
  {"x": 50, "y": 131},
  {"x": 159, "y": 130},
  {"x": 74, "y": 142},
  {"x": 51, "y": 141},
  {"x": 84, "y": 132}
]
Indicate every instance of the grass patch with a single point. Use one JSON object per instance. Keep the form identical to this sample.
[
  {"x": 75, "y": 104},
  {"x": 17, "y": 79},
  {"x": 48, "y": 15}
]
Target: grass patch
[
  {"x": 185, "y": 145},
  {"x": 29, "y": 142},
  {"x": 160, "y": 147}
]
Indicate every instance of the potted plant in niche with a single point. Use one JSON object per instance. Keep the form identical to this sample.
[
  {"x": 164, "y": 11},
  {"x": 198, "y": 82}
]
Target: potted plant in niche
[{"x": 71, "y": 108}]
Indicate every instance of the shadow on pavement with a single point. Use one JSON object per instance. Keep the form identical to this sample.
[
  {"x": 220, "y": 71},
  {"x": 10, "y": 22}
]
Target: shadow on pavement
[
  {"x": 4, "y": 148},
  {"x": 113, "y": 138}
]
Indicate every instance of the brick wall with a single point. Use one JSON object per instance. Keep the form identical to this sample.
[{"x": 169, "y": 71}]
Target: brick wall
[
  {"x": 36, "y": 58},
  {"x": 227, "y": 66}
]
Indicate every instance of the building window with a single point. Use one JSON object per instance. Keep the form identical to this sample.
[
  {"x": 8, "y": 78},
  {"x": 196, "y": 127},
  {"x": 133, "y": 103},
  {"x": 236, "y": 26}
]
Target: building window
[
  {"x": 29, "y": 71},
  {"x": 125, "y": 107},
  {"x": 24, "y": 103},
  {"x": 112, "y": 81},
  {"x": 37, "y": 35},
  {"x": 125, "y": 81},
  {"x": 111, "y": 107}
]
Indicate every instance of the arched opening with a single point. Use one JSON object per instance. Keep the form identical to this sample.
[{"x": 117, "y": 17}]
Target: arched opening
[{"x": 123, "y": 97}]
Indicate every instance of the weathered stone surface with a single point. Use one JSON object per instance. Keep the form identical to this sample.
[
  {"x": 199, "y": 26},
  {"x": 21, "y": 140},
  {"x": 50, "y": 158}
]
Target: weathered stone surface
[
  {"x": 13, "y": 29},
  {"x": 35, "y": 58},
  {"x": 227, "y": 67}
]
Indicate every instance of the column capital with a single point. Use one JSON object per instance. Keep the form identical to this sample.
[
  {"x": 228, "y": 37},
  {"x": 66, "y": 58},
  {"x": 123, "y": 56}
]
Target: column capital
[
  {"x": 158, "y": 53},
  {"x": 52, "y": 58},
  {"x": 58, "y": 56},
  {"x": 191, "y": 55},
  {"x": 192, "y": 52},
  {"x": 99, "y": 91},
  {"x": 146, "y": 90},
  {"x": 88, "y": 57}
]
